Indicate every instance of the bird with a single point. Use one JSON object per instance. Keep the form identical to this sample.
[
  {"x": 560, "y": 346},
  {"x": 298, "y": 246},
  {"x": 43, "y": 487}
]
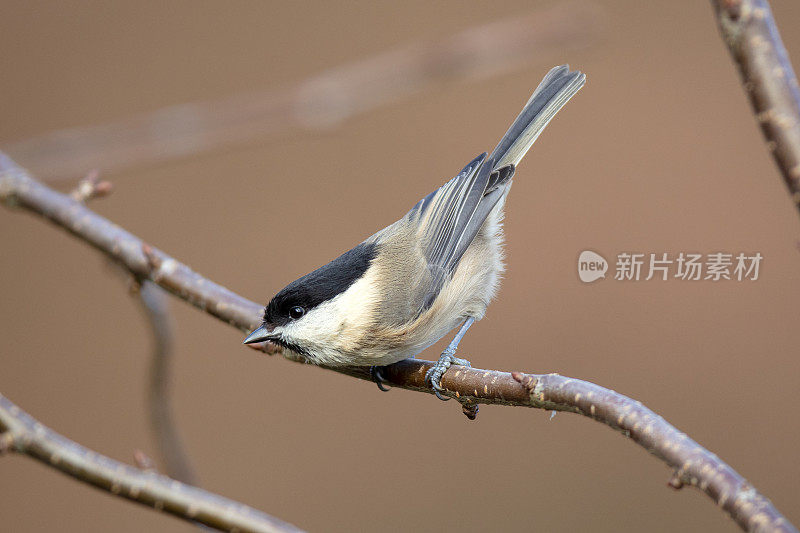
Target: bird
[{"x": 435, "y": 269}]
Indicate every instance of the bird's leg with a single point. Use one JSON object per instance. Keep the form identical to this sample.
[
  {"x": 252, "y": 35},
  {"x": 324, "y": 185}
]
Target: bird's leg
[
  {"x": 448, "y": 357},
  {"x": 377, "y": 377}
]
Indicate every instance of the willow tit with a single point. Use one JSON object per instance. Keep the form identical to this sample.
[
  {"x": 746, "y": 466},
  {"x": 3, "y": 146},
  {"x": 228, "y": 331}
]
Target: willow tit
[{"x": 438, "y": 267}]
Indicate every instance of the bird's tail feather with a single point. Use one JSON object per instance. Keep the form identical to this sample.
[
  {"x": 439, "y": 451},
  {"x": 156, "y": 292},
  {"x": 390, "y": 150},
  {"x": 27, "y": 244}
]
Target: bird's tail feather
[{"x": 555, "y": 90}]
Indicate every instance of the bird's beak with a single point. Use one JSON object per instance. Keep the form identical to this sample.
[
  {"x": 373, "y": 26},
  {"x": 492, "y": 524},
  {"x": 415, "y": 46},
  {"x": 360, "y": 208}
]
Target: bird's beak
[{"x": 259, "y": 335}]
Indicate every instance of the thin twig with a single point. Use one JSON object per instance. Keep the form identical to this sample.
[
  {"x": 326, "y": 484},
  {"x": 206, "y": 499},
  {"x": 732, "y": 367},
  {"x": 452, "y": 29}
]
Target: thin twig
[
  {"x": 170, "y": 446},
  {"x": 143, "y": 461},
  {"x": 318, "y": 103},
  {"x": 21, "y": 433},
  {"x": 694, "y": 465},
  {"x": 91, "y": 187},
  {"x": 749, "y": 30}
]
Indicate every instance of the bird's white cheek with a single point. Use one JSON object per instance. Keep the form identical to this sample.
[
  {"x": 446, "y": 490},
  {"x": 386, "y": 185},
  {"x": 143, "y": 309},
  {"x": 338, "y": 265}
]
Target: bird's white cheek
[
  {"x": 311, "y": 330},
  {"x": 317, "y": 333},
  {"x": 335, "y": 328}
]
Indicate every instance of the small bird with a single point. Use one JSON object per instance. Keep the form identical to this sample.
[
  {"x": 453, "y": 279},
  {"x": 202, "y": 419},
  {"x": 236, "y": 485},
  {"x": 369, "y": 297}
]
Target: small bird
[{"x": 437, "y": 268}]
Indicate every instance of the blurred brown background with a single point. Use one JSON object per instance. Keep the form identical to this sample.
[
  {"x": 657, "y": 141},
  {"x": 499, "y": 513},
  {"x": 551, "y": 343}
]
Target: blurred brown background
[{"x": 658, "y": 153}]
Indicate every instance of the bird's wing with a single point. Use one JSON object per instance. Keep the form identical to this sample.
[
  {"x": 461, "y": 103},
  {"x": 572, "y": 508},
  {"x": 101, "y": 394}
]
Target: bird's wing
[{"x": 450, "y": 217}]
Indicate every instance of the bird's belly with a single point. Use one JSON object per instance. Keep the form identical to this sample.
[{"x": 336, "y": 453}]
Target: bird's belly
[{"x": 466, "y": 295}]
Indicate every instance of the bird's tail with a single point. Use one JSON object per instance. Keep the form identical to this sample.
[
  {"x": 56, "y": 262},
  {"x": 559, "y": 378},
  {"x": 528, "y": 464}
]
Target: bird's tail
[{"x": 555, "y": 90}]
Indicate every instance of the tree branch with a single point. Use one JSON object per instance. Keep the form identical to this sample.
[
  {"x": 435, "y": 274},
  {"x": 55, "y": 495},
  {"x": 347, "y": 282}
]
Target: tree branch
[
  {"x": 173, "y": 454},
  {"x": 749, "y": 31},
  {"x": 693, "y": 464},
  {"x": 20, "y": 433}
]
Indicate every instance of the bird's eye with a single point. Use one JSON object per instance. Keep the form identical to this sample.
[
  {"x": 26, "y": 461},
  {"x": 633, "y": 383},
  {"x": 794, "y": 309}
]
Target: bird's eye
[{"x": 296, "y": 312}]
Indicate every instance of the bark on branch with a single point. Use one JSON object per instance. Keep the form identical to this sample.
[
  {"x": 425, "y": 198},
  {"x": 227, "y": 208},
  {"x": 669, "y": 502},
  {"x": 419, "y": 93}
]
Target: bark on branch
[
  {"x": 693, "y": 465},
  {"x": 752, "y": 37}
]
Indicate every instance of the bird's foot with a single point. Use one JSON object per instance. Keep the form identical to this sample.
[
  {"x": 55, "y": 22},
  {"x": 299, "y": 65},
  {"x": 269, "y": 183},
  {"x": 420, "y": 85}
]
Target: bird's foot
[
  {"x": 434, "y": 376},
  {"x": 377, "y": 377}
]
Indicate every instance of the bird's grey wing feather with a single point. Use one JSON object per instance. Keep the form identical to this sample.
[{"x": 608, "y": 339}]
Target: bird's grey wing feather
[{"x": 447, "y": 222}]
